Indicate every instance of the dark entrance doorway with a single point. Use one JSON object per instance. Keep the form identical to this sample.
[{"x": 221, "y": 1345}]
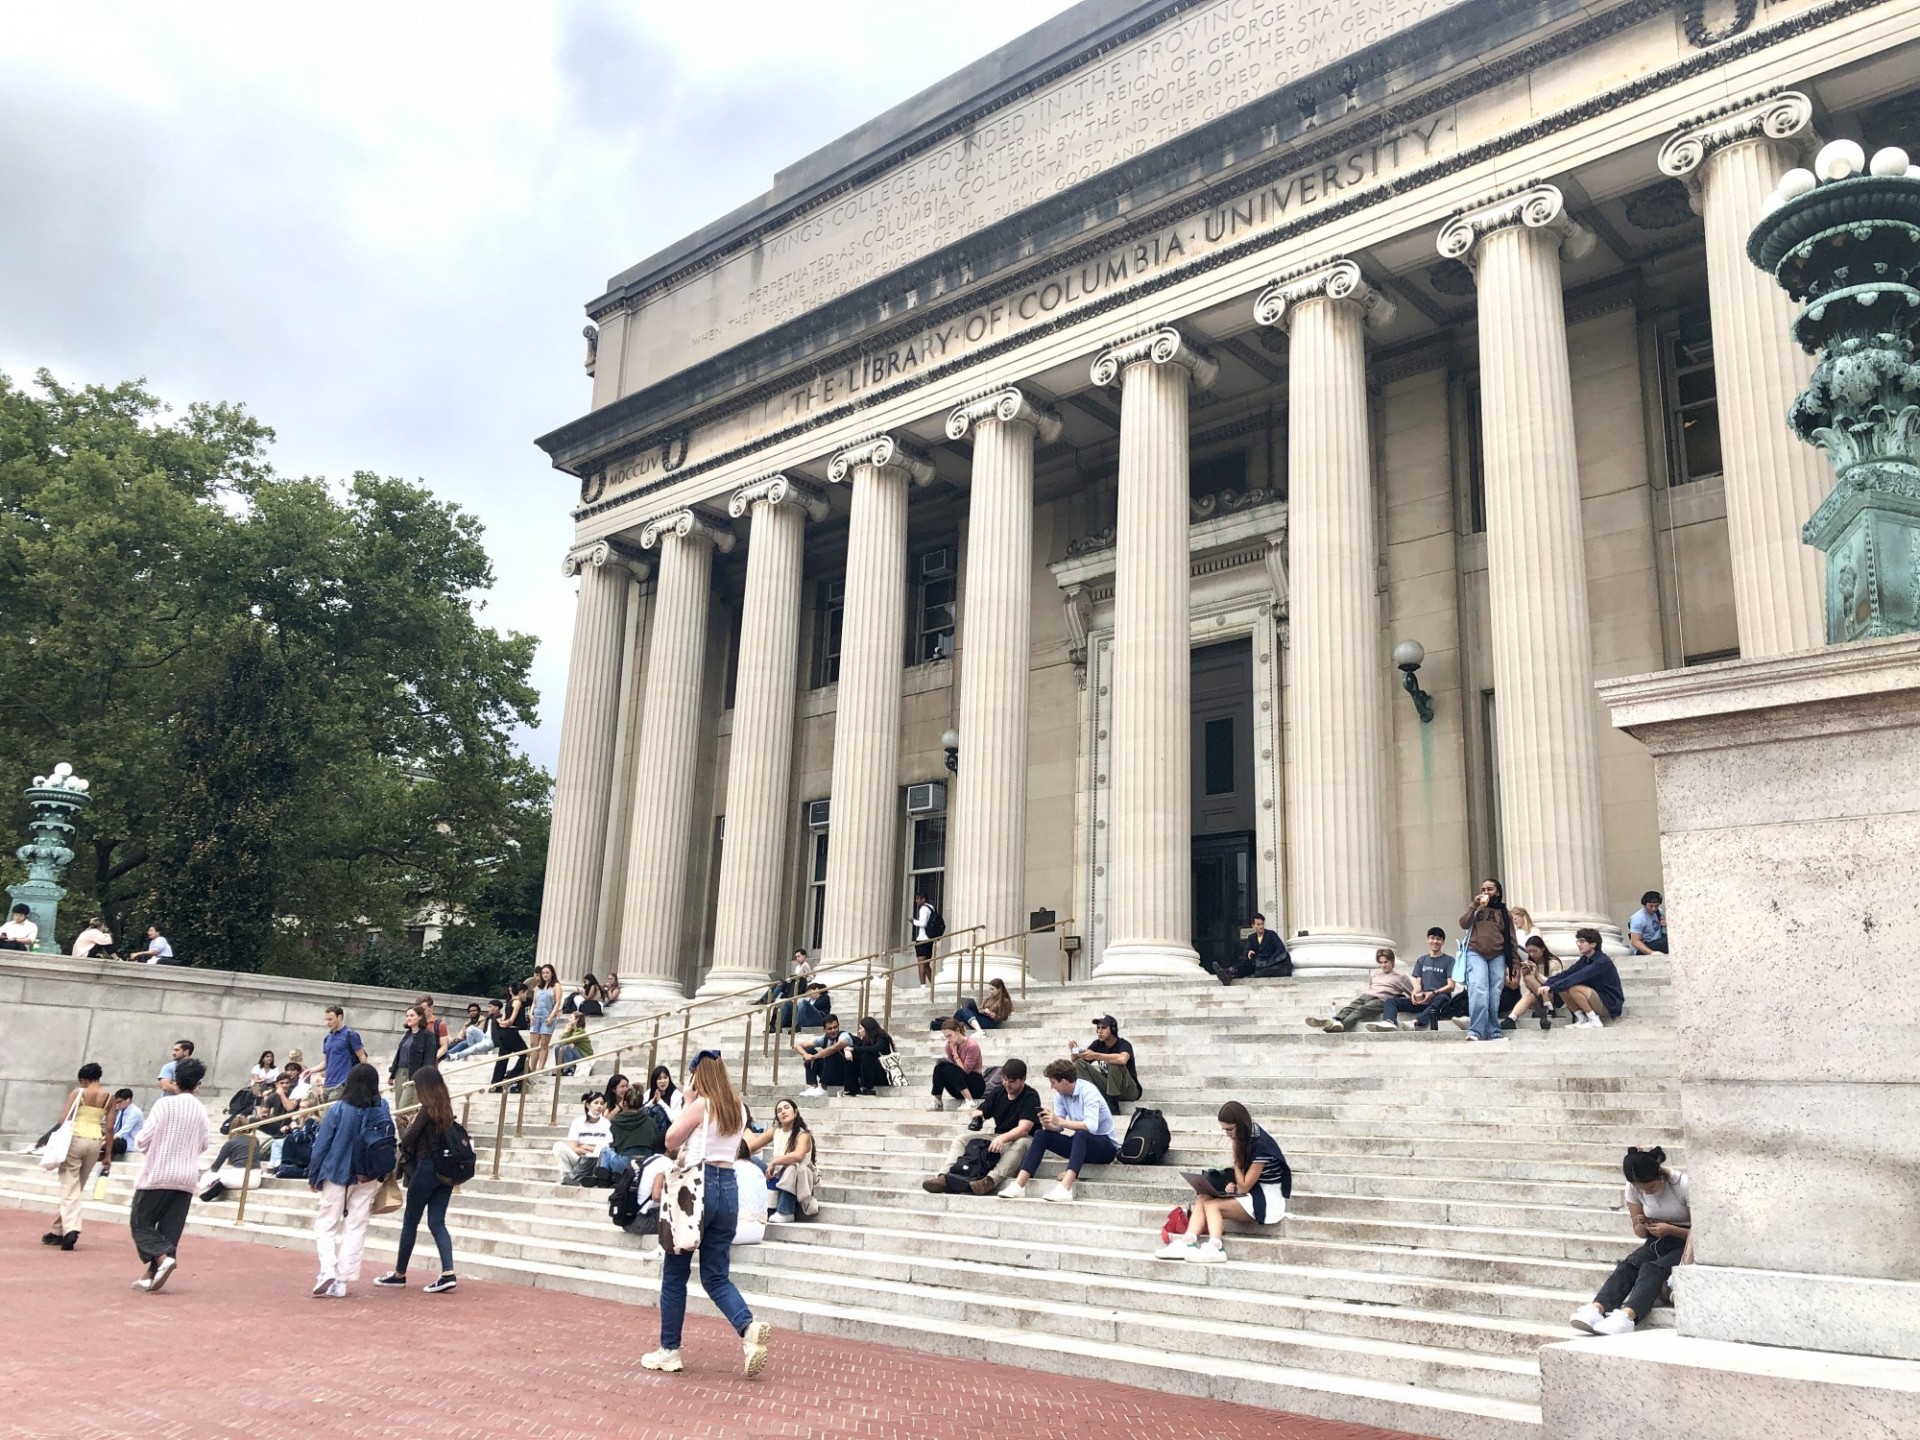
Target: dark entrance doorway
[{"x": 1223, "y": 806}]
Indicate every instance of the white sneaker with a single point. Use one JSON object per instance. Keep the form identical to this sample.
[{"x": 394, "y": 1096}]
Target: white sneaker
[
  {"x": 813, "y": 1092},
  {"x": 1060, "y": 1194},
  {"x": 973, "y": 1028},
  {"x": 337, "y": 1290},
  {"x": 1012, "y": 1190},
  {"x": 939, "y": 1102},
  {"x": 1381, "y": 1025},
  {"x": 1461, "y": 1021},
  {"x": 1618, "y": 1323},
  {"x": 1586, "y": 1317},
  {"x": 320, "y": 1285},
  {"x": 754, "y": 1347},
  {"x": 1211, "y": 1253},
  {"x": 1175, "y": 1249},
  {"x": 668, "y": 1360},
  {"x": 161, "y": 1271},
  {"x": 1319, "y": 1022},
  {"x": 778, "y": 1219}
]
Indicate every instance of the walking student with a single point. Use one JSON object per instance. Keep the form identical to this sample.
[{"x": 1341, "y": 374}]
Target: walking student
[
  {"x": 1657, "y": 1204},
  {"x": 427, "y": 1193},
  {"x": 414, "y": 1052},
  {"x": 712, "y": 1123},
  {"x": 86, "y": 1108},
  {"x": 1491, "y": 952},
  {"x": 352, "y": 1142},
  {"x": 923, "y": 913},
  {"x": 171, "y": 1140}
]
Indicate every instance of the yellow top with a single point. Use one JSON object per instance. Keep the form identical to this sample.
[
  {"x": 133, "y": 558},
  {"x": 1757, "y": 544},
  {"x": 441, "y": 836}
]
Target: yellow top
[{"x": 89, "y": 1122}]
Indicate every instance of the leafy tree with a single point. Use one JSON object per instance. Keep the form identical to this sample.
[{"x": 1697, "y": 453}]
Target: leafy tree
[{"x": 143, "y": 557}]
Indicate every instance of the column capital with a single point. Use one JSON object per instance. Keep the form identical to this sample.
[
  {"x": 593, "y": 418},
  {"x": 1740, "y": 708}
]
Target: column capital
[
  {"x": 1335, "y": 280},
  {"x": 1536, "y": 207},
  {"x": 601, "y": 553},
  {"x": 1784, "y": 117},
  {"x": 1161, "y": 345},
  {"x": 778, "y": 490},
  {"x": 688, "y": 525},
  {"x": 1008, "y": 404},
  {"x": 884, "y": 452}
]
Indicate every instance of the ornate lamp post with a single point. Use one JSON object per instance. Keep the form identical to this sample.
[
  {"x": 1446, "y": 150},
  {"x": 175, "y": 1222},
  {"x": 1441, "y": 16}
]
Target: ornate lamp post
[
  {"x": 1844, "y": 238},
  {"x": 55, "y": 799}
]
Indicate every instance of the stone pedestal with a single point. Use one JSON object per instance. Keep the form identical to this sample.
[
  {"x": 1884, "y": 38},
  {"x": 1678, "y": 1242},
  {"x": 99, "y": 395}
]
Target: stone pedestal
[
  {"x": 863, "y": 870},
  {"x": 652, "y": 927},
  {"x": 1546, "y": 729},
  {"x": 987, "y": 872},
  {"x": 747, "y": 936},
  {"x": 1336, "y": 715},
  {"x": 1151, "y": 909},
  {"x": 582, "y": 787},
  {"x": 1789, "y": 818}
]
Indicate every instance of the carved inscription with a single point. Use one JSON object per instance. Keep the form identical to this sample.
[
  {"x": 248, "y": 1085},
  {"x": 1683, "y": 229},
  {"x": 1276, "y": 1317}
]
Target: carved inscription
[{"x": 1204, "y": 64}]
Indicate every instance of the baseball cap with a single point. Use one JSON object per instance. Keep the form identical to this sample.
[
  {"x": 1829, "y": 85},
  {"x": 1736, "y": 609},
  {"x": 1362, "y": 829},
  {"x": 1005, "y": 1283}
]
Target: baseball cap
[{"x": 1106, "y": 1020}]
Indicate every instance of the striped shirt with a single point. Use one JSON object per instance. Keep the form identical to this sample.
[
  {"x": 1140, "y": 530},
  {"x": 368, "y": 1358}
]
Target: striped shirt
[{"x": 171, "y": 1140}]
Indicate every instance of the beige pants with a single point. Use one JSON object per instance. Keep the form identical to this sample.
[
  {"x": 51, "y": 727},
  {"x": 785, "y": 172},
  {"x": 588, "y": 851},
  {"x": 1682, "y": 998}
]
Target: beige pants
[
  {"x": 1006, "y": 1164},
  {"x": 82, "y": 1156},
  {"x": 340, "y": 1227}
]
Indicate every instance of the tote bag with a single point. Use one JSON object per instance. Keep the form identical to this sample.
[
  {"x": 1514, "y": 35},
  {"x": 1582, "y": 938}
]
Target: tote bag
[
  {"x": 683, "y": 1202},
  {"x": 60, "y": 1142}
]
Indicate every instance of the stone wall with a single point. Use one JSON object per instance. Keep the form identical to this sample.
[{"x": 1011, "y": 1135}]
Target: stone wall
[{"x": 61, "y": 1013}]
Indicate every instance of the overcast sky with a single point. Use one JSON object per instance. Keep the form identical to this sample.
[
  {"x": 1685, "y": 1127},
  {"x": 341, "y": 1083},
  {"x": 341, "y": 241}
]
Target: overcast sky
[{"x": 376, "y": 225}]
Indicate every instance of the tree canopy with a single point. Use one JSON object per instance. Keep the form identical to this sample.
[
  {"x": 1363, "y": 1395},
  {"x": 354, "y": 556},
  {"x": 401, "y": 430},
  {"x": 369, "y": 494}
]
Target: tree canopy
[{"x": 297, "y": 729}]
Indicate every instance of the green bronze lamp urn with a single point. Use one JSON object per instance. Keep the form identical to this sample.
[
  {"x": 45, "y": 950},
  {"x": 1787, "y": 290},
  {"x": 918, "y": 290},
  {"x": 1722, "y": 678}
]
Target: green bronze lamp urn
[
  {"x": 1843, "y": 240},
  {"x": 55, "y": 799}
]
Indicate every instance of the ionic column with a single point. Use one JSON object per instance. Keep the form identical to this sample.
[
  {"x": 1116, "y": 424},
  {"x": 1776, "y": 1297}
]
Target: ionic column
[
  {"x": 1731, "y": 163},
  {"x": 583, "y": 782},
  {"x": 1549, "y": 781},
  {"x": 663, "y": 818},
  {"x": 1335, "y": 704},
  {"x": 987, "y": 866},
  {"x": 748, "y": 934},
  {"x": 862, "y": 852},
  {"x": 1150, "y": 884}
]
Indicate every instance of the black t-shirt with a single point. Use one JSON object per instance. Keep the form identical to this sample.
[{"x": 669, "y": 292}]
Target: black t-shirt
[
  {"x": 1006, "y": 1112},
  {"x": 1274, "y": 1169},
  {"x": 1119, "y": 1045}
]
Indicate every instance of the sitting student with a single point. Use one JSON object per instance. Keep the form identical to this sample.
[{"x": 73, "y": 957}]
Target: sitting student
[
  {"x": 589, "y": 1134},
  {"x": 870, "y": 1042},
  {"x": 476, "y": 1038},
  {"x": 1013, "y": 1108},
  {"x": 1647, "y": 930},
  {"x": 1108, "y": 1063},
  {"x": 1657, "y": 1204},
  {"x": 291, "y": 1155},
  {"x": 1536, "y": 965},
  {"x": 978, "y": 1015},
  {"x": 1257, "y": 1193},
  {"x": 1262, "y": 953},
  {"x": 127, "y": 1120},
  {"x": 1078, "y": 1125},
  {"x": 662, "y": 1097},
  {"x": 828, "y": 1060},
  {"x": 962, "y": 1070},
  {"x": 791, "y": 1172},
  {"x": 573, "y": 1045},
  {"x": 1435, "y": 995},
  {"x": 1591, "y": 986},
  {"x": 1386, "y": 984},
  {"x": 633, "y": 1133}
]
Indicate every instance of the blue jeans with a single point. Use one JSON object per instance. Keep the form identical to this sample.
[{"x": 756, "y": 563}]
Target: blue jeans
[
  {"x": 1078, "y": 1146},
  {"x": 1485, "y": 976},
  {"x": 718, "y": 1216},
  {"x": 967, "y": 1014},
  {"x": 425, "y": 1193}
]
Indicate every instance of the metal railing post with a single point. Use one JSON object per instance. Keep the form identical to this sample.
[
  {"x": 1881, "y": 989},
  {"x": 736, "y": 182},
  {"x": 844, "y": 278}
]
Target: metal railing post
[
  {"x": 886, "y": 1015},
  {"x": 653, "y": 1054},
  {"x": 520, "y": 1111},
  {"x": 240, "y": 1215},
  {"x": 686, "y": 1034},
  {"x": 500, "y": 1130},
  {"x": 746, "y": 1050}
]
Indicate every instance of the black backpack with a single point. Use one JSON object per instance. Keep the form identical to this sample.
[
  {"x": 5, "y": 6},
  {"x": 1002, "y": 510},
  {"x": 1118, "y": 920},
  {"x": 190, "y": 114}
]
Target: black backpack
[
  {"x": 623, "y": 1206},
  {"x": 296, "y": 1154},
  {"x": 1148, "y": 1139},
  {"x": 454, "y": 1161},
  {"x": 936, "y": 925}
]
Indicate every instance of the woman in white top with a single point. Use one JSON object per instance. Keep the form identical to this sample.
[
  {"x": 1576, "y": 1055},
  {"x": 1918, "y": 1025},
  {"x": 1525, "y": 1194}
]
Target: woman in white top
[
  {"x": 1657, "y": 1202},
  {"x": 266, "y": 1074},
  {"x": 713, "y": 1122},
  {"x": 790, "y": 1170}
]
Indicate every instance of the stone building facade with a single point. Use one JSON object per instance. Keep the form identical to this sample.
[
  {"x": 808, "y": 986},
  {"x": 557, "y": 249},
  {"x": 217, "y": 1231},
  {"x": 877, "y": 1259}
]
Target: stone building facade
[{"x": 1119, "y": 405}]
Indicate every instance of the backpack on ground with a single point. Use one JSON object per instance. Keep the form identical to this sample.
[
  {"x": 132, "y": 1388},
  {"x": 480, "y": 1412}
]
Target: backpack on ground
[
  {"x": 296, "y": 1154},
  {"x": 453, "y": 1160},
  {"x": 936, "y": 925},
  {"x": 376, "y": 1150},
  {"x": 623, "y": 1206},
  {"x": 1147, "y": 1140},
  {"x": 975, "y": 1163},
  {"x": 243, "y": 1102}
]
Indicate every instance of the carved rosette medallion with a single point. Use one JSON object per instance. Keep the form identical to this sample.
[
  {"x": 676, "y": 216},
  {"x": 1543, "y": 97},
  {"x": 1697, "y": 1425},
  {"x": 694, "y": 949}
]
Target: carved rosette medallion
[
  {"x": 1537, "y": 207},
  {"x": 1336, "y": 280},
  {"x": 1010, "y": 406},
  {"x": 1162, "y": 345}
]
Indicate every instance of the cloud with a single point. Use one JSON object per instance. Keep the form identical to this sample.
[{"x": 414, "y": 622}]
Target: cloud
[{"x": 375, "y": 225}]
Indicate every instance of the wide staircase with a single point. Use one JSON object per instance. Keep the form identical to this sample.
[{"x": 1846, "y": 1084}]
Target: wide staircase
[{"x": 1453, "y": 1203}]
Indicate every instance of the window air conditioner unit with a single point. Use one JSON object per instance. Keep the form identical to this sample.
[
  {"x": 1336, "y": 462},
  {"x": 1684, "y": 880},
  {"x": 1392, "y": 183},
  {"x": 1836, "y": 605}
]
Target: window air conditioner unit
[
  {"x": 936, "y": 564},
  {"x": 929, "y": 798},
  {"x": 817, "y": 814}
]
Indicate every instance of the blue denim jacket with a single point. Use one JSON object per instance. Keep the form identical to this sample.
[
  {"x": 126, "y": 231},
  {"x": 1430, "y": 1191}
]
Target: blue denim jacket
[{"x": 334, "y": 1146}]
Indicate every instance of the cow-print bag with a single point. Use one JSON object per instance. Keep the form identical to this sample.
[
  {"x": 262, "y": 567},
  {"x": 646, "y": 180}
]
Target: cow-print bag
[{"x": 683, "y": 1201}]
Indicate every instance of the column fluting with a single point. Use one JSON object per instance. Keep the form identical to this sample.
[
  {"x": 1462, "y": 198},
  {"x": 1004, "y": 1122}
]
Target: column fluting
[
  {"x": 652, "y": 927},
  {"x": 748, "y": 935},
  {"x": 987, "y": 867},
  {"x": 1336, "y": 715},
  {"x": 1545, "y": 726},
  {"x": 864, "y": 817},
  {"x": 1150, "y": 887},
  {"x": 583, "y": 780},
  {"x": 1773, "y": 482}
]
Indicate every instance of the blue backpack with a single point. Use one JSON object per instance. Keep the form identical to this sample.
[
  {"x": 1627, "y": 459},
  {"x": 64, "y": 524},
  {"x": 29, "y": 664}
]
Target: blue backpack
[{"x": 376, "y": 1149}]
